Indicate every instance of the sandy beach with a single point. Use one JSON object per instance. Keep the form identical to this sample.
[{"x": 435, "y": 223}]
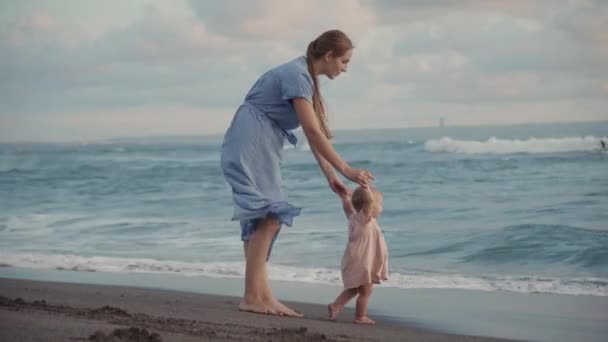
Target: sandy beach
[{"x": 53, "y": 311}]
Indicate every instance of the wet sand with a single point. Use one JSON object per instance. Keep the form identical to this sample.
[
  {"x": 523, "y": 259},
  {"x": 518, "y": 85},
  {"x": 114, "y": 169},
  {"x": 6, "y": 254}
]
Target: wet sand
[{"x": 53, "y": 311}]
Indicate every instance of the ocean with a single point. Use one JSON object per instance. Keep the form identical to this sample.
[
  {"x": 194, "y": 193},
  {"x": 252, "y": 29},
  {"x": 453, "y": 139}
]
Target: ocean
[{"x": 495, "y": 208}]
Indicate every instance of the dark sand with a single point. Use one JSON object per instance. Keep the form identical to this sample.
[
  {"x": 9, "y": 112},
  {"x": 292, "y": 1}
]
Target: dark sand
[{"x": 48, "y": 311}]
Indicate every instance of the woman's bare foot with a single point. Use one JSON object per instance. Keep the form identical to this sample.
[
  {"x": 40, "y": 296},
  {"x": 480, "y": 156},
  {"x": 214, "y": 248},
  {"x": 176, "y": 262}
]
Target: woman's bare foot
[
  {"x": 363, "y": 320},
  {"x": 284, "y": 310},
  {"x": 257, "y": 307},
  {"x": 269, "y": 307},
  {"x": 332, "y": 312}
]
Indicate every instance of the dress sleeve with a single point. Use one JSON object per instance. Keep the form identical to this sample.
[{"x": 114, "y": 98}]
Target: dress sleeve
[{"x": 296, "y": 84}]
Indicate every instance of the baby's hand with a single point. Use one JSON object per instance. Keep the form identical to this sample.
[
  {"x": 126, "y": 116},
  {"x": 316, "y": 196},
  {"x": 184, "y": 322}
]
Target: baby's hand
[
  {"x": 338, "y": 187},
  {"x": 360, "y": 176}
]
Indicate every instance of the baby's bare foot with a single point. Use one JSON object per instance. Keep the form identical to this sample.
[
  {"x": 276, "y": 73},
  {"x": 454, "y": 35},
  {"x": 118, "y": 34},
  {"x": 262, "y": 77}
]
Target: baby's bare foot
[
  {"x": 332, "y": 312},
  {"x": 363, "y": 320}
]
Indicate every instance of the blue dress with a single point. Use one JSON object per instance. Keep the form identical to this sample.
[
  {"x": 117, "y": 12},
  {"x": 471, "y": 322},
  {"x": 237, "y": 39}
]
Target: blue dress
[{"x": 252, "y": 149}]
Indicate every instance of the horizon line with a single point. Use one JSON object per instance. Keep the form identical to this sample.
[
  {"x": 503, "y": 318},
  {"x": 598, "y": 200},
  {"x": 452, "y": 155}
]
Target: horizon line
[{"x": 211, "y": 135}]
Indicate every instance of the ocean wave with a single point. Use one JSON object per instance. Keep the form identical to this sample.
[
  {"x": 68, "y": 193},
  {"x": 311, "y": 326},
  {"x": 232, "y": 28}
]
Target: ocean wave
[
  {"x": 509, "y": 146},
  {"x": 549, "y": 244},
  {"x": 528, "y": 243},
  {"x": 408, "y": 280}
]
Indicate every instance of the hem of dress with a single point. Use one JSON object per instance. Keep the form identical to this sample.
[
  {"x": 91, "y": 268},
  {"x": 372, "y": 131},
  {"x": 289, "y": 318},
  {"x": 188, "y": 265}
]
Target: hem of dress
[
  {"x": 372, "y": 281},
  {"x": 282, "y": 210}
]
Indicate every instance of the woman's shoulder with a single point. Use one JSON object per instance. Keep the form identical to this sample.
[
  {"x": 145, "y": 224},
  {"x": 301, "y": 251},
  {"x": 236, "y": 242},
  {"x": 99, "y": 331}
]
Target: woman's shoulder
[
  {"x": 297, "y": 63},
  {"x": 294, "y": 68}
]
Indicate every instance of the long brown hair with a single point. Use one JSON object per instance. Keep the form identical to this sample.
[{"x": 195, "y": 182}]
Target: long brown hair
[{"x": 338, "y": 43}]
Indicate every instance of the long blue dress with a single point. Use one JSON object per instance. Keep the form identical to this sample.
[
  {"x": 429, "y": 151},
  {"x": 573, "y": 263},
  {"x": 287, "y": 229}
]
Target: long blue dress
[{"x": 253, "y": 145}]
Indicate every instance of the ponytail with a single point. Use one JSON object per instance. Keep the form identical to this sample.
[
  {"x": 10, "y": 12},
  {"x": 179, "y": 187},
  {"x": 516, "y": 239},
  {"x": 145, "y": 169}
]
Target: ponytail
[{"x": 338, "y": 43}]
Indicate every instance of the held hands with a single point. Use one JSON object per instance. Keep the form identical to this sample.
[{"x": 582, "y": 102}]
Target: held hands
[
  {"x": 338, "y": 187},
  {"x": 360, "y": 176}
]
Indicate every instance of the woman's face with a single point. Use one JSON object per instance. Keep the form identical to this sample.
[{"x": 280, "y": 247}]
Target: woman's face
[{"x": 337, "y": 65}]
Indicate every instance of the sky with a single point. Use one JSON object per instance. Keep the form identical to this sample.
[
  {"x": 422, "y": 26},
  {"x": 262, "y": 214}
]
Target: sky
[{"x": 75, "y": 70}]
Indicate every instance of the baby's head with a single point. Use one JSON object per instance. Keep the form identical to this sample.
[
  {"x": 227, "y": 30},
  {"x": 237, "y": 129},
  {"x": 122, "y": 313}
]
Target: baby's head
[{"x": 368, "y": 199}]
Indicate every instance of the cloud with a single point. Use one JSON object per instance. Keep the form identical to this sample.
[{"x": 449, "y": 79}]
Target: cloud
[
  {"x": 66, "y": 64},
  {"x": 586, "y": 23},
  {"x": 104, "y": 124},
  {"x": 490, "y": 52},
  {"x": 34, "y": 28},
  {"x": 399, "y": 12},
  {"x": 35, "y": 22},
  {"x": 158, "y": 59},
  {"x": 275, "y": 20}
]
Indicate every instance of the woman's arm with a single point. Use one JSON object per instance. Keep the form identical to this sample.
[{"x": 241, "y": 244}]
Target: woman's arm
[
  {"x": 317, "y": 140},
  {"x": 335, "y": 183},
  {"x": 325, "y": 166},
  {"x": 321, "y": 145}
]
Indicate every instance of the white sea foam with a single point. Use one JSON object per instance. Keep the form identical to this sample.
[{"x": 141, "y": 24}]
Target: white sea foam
[
  {"x": 507, "y": 146},
  {"x": 407, "y": 280}
]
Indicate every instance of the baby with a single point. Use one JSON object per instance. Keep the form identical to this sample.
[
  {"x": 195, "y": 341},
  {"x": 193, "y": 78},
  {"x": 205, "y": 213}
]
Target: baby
[{"x": 365, "y": 260}]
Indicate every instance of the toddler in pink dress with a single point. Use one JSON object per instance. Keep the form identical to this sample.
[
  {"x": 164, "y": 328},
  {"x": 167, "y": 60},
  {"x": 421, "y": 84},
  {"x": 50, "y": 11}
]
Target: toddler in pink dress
[{"x": 365, "y": 260}]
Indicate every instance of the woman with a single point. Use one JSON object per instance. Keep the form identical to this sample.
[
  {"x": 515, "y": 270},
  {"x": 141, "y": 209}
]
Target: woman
[{"x": 281, "y": 100}]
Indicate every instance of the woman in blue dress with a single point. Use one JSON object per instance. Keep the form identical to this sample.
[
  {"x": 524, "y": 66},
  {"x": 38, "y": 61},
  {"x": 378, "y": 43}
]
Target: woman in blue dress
[{"x": 281, "y": 100}]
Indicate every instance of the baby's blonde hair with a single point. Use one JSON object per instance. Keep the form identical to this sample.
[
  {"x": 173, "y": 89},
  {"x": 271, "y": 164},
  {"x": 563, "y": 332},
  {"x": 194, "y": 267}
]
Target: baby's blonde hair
[{"x": 363, "y": 198}]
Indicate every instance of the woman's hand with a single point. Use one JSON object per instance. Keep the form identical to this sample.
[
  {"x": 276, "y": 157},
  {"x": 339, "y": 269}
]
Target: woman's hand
[
  {"x": 360, "y": 176},
  {"x": 338, "y": 187}
]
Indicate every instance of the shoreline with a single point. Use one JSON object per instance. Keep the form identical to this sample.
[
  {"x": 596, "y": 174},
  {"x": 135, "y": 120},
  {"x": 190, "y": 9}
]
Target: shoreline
[
  {"x": 40, "y": 310},
  {"x": 446, "y": 312}
]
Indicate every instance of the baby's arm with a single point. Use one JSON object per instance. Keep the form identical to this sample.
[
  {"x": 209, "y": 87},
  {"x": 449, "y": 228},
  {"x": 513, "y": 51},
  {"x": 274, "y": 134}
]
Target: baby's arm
[{"x": 347, "y": 205}]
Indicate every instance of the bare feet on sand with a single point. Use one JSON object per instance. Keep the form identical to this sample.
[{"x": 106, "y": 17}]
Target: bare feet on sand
[
  {"x": 284, "y": 310},
  {"x": 332, "y": 312},
  {"x": 363, "y": 320},
  {"x": 269, "y": 307}
]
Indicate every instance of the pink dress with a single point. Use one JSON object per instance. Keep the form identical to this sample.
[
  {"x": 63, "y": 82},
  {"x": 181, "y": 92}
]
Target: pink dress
[{"x": 365, "y": 259}]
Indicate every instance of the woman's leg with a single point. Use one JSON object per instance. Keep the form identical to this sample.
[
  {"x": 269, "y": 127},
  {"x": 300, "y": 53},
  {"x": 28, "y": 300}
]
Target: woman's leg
[
  {"x": 258, "y": 296},
  {"x": 338, "y": 304},
  {"x": 365, "y": 291}
]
